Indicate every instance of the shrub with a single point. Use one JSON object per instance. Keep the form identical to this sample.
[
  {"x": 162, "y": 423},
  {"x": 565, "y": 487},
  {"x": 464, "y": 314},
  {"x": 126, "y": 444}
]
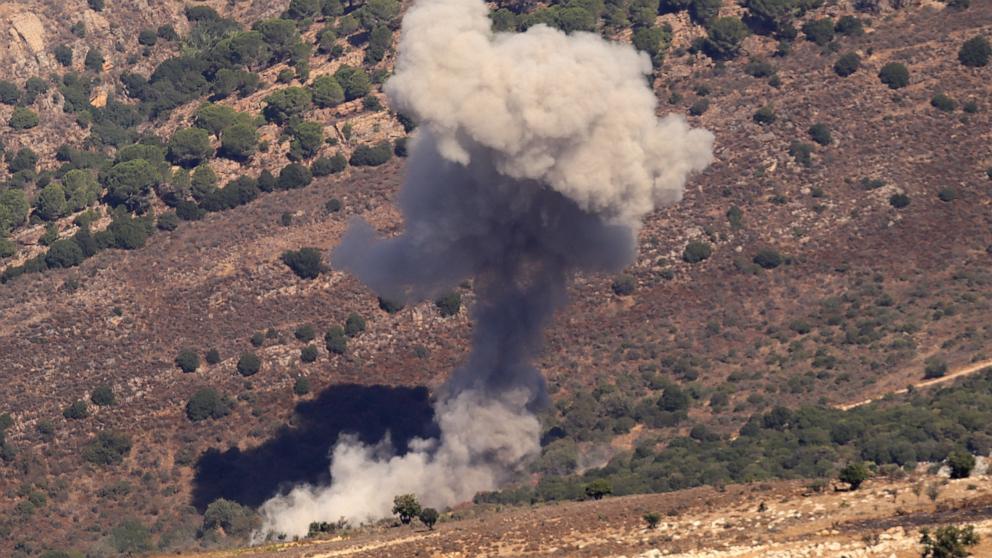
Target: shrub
[
  {"x": 212, "y": 356},
  {"x": 327, "y": 92},
  {"x": 899, "y": 201},
  {"x": 651, "y": 40},
  {"x": 305, "y": 262},
  {"x": 371, "y": 156},
  {"x": 354, "y": 325},
  {"x": 847, "y": 64},
  {"x": 961, "y": 463},
  {"x": 768, "y": 258},
  {"x": 95, "y": 5},
  {"x": 63, "y": 55},
  {"x": 354, "y": 81},
  {"x": 167, "y": 33},
  {"x": 819, "y": 31},
  {"x": 802, "y": 153},
  {"x": 103, "y": 396},
  {"x": 333, "y": 205},
  {"x": 301, "y": 386},
  {"x": 257, "y": 339},
  {"x": 147, "y": 37},
  {"x": 854, "y": 474},
  {"x": 975, "y": 52},
  {"x": 336, "y": 341},
  {"x": 948, "y": 541},
  {"x": 287, "y": 103},
  {"x": 308, "y": 354},
  {"x": 167, "y": 222},
  {"x": 947, "y": 194},
  {"x": 325, "y": 166},
  {"x": 305, "y": 333},
  {"x": 724, "y": 37},
  {"x": 64, "y": 253},
  {"x": 943, "y": 103},
  {"x": 895, "y": 75},
  {"x": 9, "y": 92},
  {"x": 235, "y": 519},
  {"x": 449, "y": 304},
  {"x": 207, "y": 403},
  {"x": 934, "y": 367},
  {"x": 249, "y": 364},
  {"x": 109, "y": 448},
  {"x": 77, "y": 410},
  {"x": 389, "y": 306},
  {"x": 23, "y": 119},
  {"x": 696, "y": 251},
  {"x": 820, "y": 133},
  {"x": 759, "y": 68},
  {"x": 624, "y": 285},
  {"x": 189, "y": 147},
  {"x": 406, "y": 507},
  {"x": 187, "y": 360},
  {"x": 294, "y": 175},
  {"x": 652, "y": 519},
  {"x": 850, "y": 26},
  {"x": 131, "y": 538},
  {"x": 428, "y": 516},
  {"x": 598, "y": 488},
  {"x": 94, "y": 60},
  {"x": 699, "y": 107},
  {"x": 238, "y": 142},
  {"x": 765, "y": 115}
]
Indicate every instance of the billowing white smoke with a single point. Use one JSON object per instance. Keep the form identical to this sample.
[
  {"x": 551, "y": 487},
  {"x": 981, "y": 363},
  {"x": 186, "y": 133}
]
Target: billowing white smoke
[
  {"x": 572, "y": 111},
  {"x": 481, "y": 439},
  {"x": 537, "y": 156}
]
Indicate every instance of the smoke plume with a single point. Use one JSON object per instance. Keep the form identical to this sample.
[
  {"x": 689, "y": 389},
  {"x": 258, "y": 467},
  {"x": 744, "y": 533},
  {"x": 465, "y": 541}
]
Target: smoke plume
[{"x": 537, "y": 156}]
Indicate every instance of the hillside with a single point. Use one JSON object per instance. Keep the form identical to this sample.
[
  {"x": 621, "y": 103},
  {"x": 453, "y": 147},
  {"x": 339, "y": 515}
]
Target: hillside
[{"x": 810, "y": 281}]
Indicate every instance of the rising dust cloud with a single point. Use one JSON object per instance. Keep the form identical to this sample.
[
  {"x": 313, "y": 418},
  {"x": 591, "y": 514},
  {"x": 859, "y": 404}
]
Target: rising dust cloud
[{"x": 537, "y": 156}]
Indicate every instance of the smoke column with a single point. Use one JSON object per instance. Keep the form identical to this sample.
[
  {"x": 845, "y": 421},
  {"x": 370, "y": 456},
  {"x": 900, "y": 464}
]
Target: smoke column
[{"x": 537, "y": 156}]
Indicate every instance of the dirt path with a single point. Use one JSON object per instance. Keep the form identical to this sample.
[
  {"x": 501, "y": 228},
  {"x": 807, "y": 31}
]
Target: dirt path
[{"x": 966, "y": 371}]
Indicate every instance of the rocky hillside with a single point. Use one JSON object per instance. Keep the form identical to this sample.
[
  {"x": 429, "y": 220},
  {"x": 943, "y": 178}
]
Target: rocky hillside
[{"x": 837, "y": 250}]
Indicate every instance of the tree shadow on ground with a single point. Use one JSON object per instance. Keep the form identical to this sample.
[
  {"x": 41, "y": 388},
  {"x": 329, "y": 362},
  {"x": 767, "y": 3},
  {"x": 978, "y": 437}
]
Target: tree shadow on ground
[{"x": 301, "y": 453}]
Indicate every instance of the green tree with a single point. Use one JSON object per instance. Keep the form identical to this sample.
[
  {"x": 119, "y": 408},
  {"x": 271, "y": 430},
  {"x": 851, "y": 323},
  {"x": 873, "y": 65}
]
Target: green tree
[
  {"x": 961, "y": 463},
  {"x": 64, "y": 253},
  {"x": 327, "y": 92},
  {"x": 131, "y": 538},
  {"x": 190, "y": 147},
  {"x": 302, "y": 9},
  {"x": 308, "y": 137},
  {"x": 81, "y": 188},
  {"x": 406, "y": 507},
  {"x": 109, "y": 448},
  {"x": 449, "y": 304},
  {"x": 187, "y": 360},
  {"x": 772, "y": 15},
  {"x": 214, "y": 118},
  {"x": 249, "y": 364},
  {"x": 203, "y": 182},
  {"x": 14, "y": 209},
  {"x": 354, "y": 81},
  {"x": 309, "y": 353},
  {"x": 704, "y": 11},
  {"x": 724, "y": 37},
  {"x": 51, "y": 203},
  {"x": 212, "y": 356},
  {"x": 354, "y": 325},
  {"x": 948, "y": 541},
  {"x": 854, "y": 474},
  {"x": 294, "y": 175},
  {"x": 696, "y": 251},
  {"x": 325, "y": 166},
  {"x": 286, "y": 104},
  {"x": 371, "y": 155},
  {"x": 239, "y": 142},
  {"x": 9, "y": 92},
  {"x": 598, "y": 488},
  {"x": 207, "y": 403},
  {"x": 103, "y": 396},
  {"x": 63, "y": 55},
  {"x": 147, "y": 37},
  {"x": 94, "y": 60},
  {"x": 820, "y": 133},
  {"x": 235, "y": 519},
  {"x": 302, "y": 386},
  {"x": 335, "y": 340},
  {"x": 306, "y": 262},
  {"x": 77, "y": 410},
  {"x": 23, "y": 119},
  {"x": 651, "y": 40},
  {"x": 975, "y": 52},
  {"x": 819, "y": 31},
  {"x": 895, "y": 75},
  {"x": 281, "y": 35},
  {"x": 428, "y": 516}
]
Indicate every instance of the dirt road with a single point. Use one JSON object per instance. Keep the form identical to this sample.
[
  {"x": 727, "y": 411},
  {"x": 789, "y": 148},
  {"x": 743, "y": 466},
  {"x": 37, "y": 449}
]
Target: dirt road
[{"x": 960, "y": 372}]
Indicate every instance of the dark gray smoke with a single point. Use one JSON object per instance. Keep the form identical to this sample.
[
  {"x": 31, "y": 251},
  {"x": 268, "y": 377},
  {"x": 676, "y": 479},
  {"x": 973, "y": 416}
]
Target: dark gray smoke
[{"x": 537, "y": 156}]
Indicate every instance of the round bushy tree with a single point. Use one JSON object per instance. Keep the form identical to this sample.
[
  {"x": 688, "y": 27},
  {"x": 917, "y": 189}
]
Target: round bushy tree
[
  {"x": 189, "y": 147},
  {"x": 724, "y": 37},
  {"x": 249, "y": 364},
  {"x": 23, "y": 119},
  {"x": 187, "y": 360},
  {"x": 327, "y": 92},
  {"x": 975, "y": 52},
  {"x": 895, "y": 75},
  {"x": 696, "y": 251}
]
